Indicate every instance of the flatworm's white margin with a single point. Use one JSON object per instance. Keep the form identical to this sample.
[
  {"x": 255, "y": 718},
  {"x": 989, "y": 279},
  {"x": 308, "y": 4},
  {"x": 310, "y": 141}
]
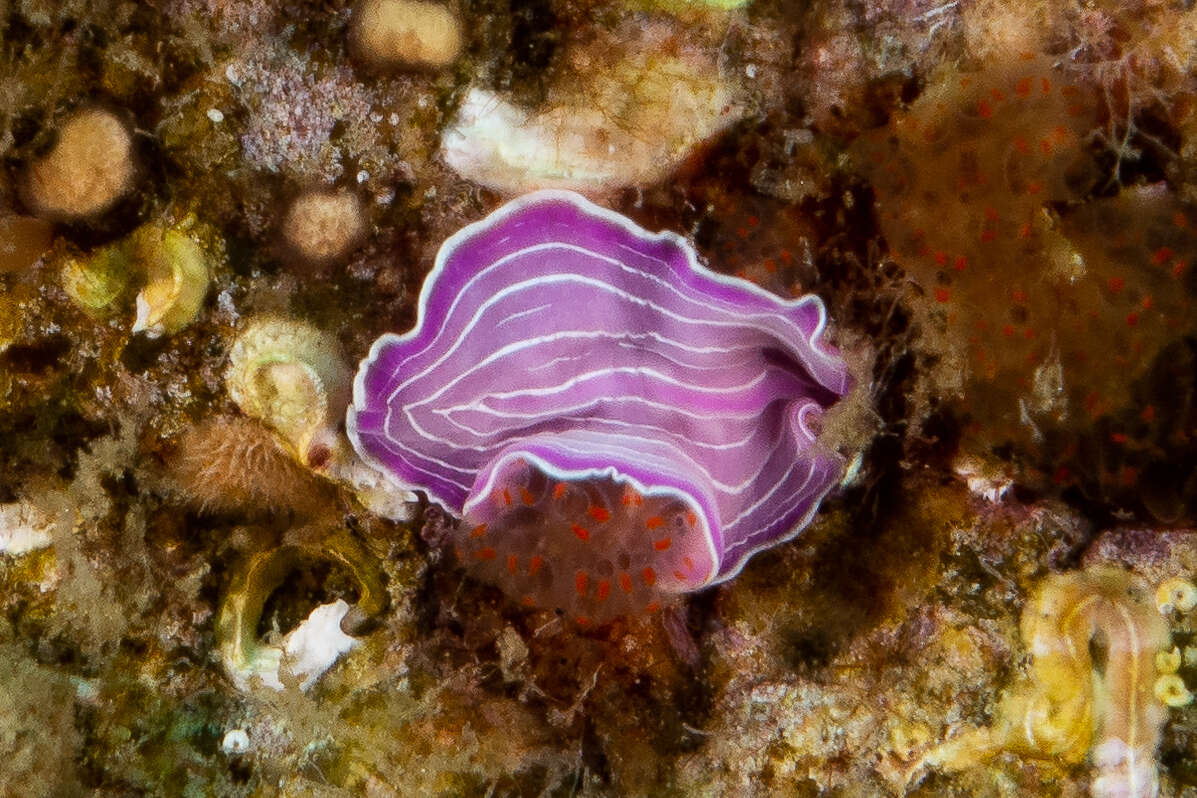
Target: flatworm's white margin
[{"x": 500, "y": 215}]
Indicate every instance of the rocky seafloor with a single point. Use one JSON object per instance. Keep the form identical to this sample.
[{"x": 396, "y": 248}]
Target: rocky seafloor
[{"x": 997, "y": 203}]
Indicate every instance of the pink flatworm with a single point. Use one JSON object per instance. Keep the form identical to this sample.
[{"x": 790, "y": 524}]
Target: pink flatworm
[{"x": 615, "y": 423}]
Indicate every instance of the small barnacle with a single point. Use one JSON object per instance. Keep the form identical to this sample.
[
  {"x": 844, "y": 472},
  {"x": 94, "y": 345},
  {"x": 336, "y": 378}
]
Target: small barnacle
[
  {"x": 1175, "y": 594},
  {"x": 1170, "y": 689},
  {"x": 313, "y": 646},
  {"x": 291, "y": 376},
  {"x": 177, "y": 277},
  {"x": 94, "y": 281},
  {"x": 1168, "y": 661}
]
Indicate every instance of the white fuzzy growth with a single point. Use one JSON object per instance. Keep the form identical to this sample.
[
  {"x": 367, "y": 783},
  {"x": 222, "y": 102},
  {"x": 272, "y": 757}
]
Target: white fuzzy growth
[
  {"x": 317, "y": 643},
  {"x": 22, "y": 529},
  {"x": 236, "y": 741},
  {"x": 306, "y": 653}
]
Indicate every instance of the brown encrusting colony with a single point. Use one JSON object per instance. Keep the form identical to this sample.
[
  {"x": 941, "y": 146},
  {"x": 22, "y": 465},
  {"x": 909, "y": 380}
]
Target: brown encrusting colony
[{"x": 210, "y": 209}]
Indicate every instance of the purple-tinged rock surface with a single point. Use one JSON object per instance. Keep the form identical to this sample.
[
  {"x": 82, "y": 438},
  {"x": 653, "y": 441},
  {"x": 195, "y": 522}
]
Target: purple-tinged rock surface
[{"x": 561, "y": 347}]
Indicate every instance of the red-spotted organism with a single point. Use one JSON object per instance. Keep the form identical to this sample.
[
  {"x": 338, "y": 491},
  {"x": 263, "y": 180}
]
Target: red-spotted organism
[{"x": 617, "y": 424}]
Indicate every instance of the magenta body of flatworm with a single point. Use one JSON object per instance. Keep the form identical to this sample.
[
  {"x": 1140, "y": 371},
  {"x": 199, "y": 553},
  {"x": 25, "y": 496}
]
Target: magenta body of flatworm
[{"x": 614, "y": 421}]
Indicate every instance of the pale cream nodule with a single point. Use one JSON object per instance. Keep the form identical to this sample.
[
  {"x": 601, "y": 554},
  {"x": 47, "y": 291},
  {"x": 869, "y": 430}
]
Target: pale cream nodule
[
  {"x": 324, "y": 225},
  {"x": 407, "y": 32},
  {"x": 88, "y": 170}
]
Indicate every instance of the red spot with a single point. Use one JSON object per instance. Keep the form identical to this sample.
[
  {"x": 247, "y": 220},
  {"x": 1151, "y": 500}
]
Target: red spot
[
  {"x": 1034, "y": 187},
  {"x": 1008, "y": 331},
  {"x": 478, "y": 531},
  {"x": 770, "y": 265},
  {"x": 753, "y": 221},
  {"x": 662, "y": 544},
  {"x": 941, "y": 258},
  {"x": 786, "y": 255},
  {"x": 559, "y": 491},
  {"x": 1148, "y": 302},
  {"x": 1018, "y": 296},
  {"x": 506, "y": 497},
  {"x": 942, "y": 294},
  {"x": 582, "y": 620},
  {"x": 1161, "y": 256},
  {"x": 603, "y": 590},
  {"x": 1022, "y": 145},
  {"x": 649, "y": 576},
  {"x": 997, "y": 94},
  {"x": 691, "y": 518},
  {"x": 1178, "y": 267},
  {"x": 1045, "y": 85},
  {"x": 486, "y": 553},
  {"x": 988, "y": 235},
  {"x": 534, "y": 564},
  {"x": 1118, "y": 437},
  {"x": 625, "y": 582},
  {"x": 528, "y": 601},
  {"x": 599, "y": 514},
  {"x": 1076, "y": 109},
  {"x": 984, "y": 110},
  {"x": 961, "y": 263},
  {"x": 654, "y": 521},
  {"x": 991, "y": 213},
  {"x": 1024, "y": 230},
  {"x": 742, "y": 232},
  {"x": 1148, "y": 413},
  {"x": 688, "y": 563},
  {"x": 1179, "y": 219},
  {"x": 582, "y": 533},
  {"x": 1117, "y": 284},
  {"x": 652, "y": 606},
  {"x": 1023, "y": 87},
  {"x": 581, "y": 580},
  {"x": 681, "y": 577},
  {"x": 1028, "y": 333},
  {"x": 527, "y": 497},
  {"x": 1045, "y": 146},
  {"x": 1132, "y": 319}
]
